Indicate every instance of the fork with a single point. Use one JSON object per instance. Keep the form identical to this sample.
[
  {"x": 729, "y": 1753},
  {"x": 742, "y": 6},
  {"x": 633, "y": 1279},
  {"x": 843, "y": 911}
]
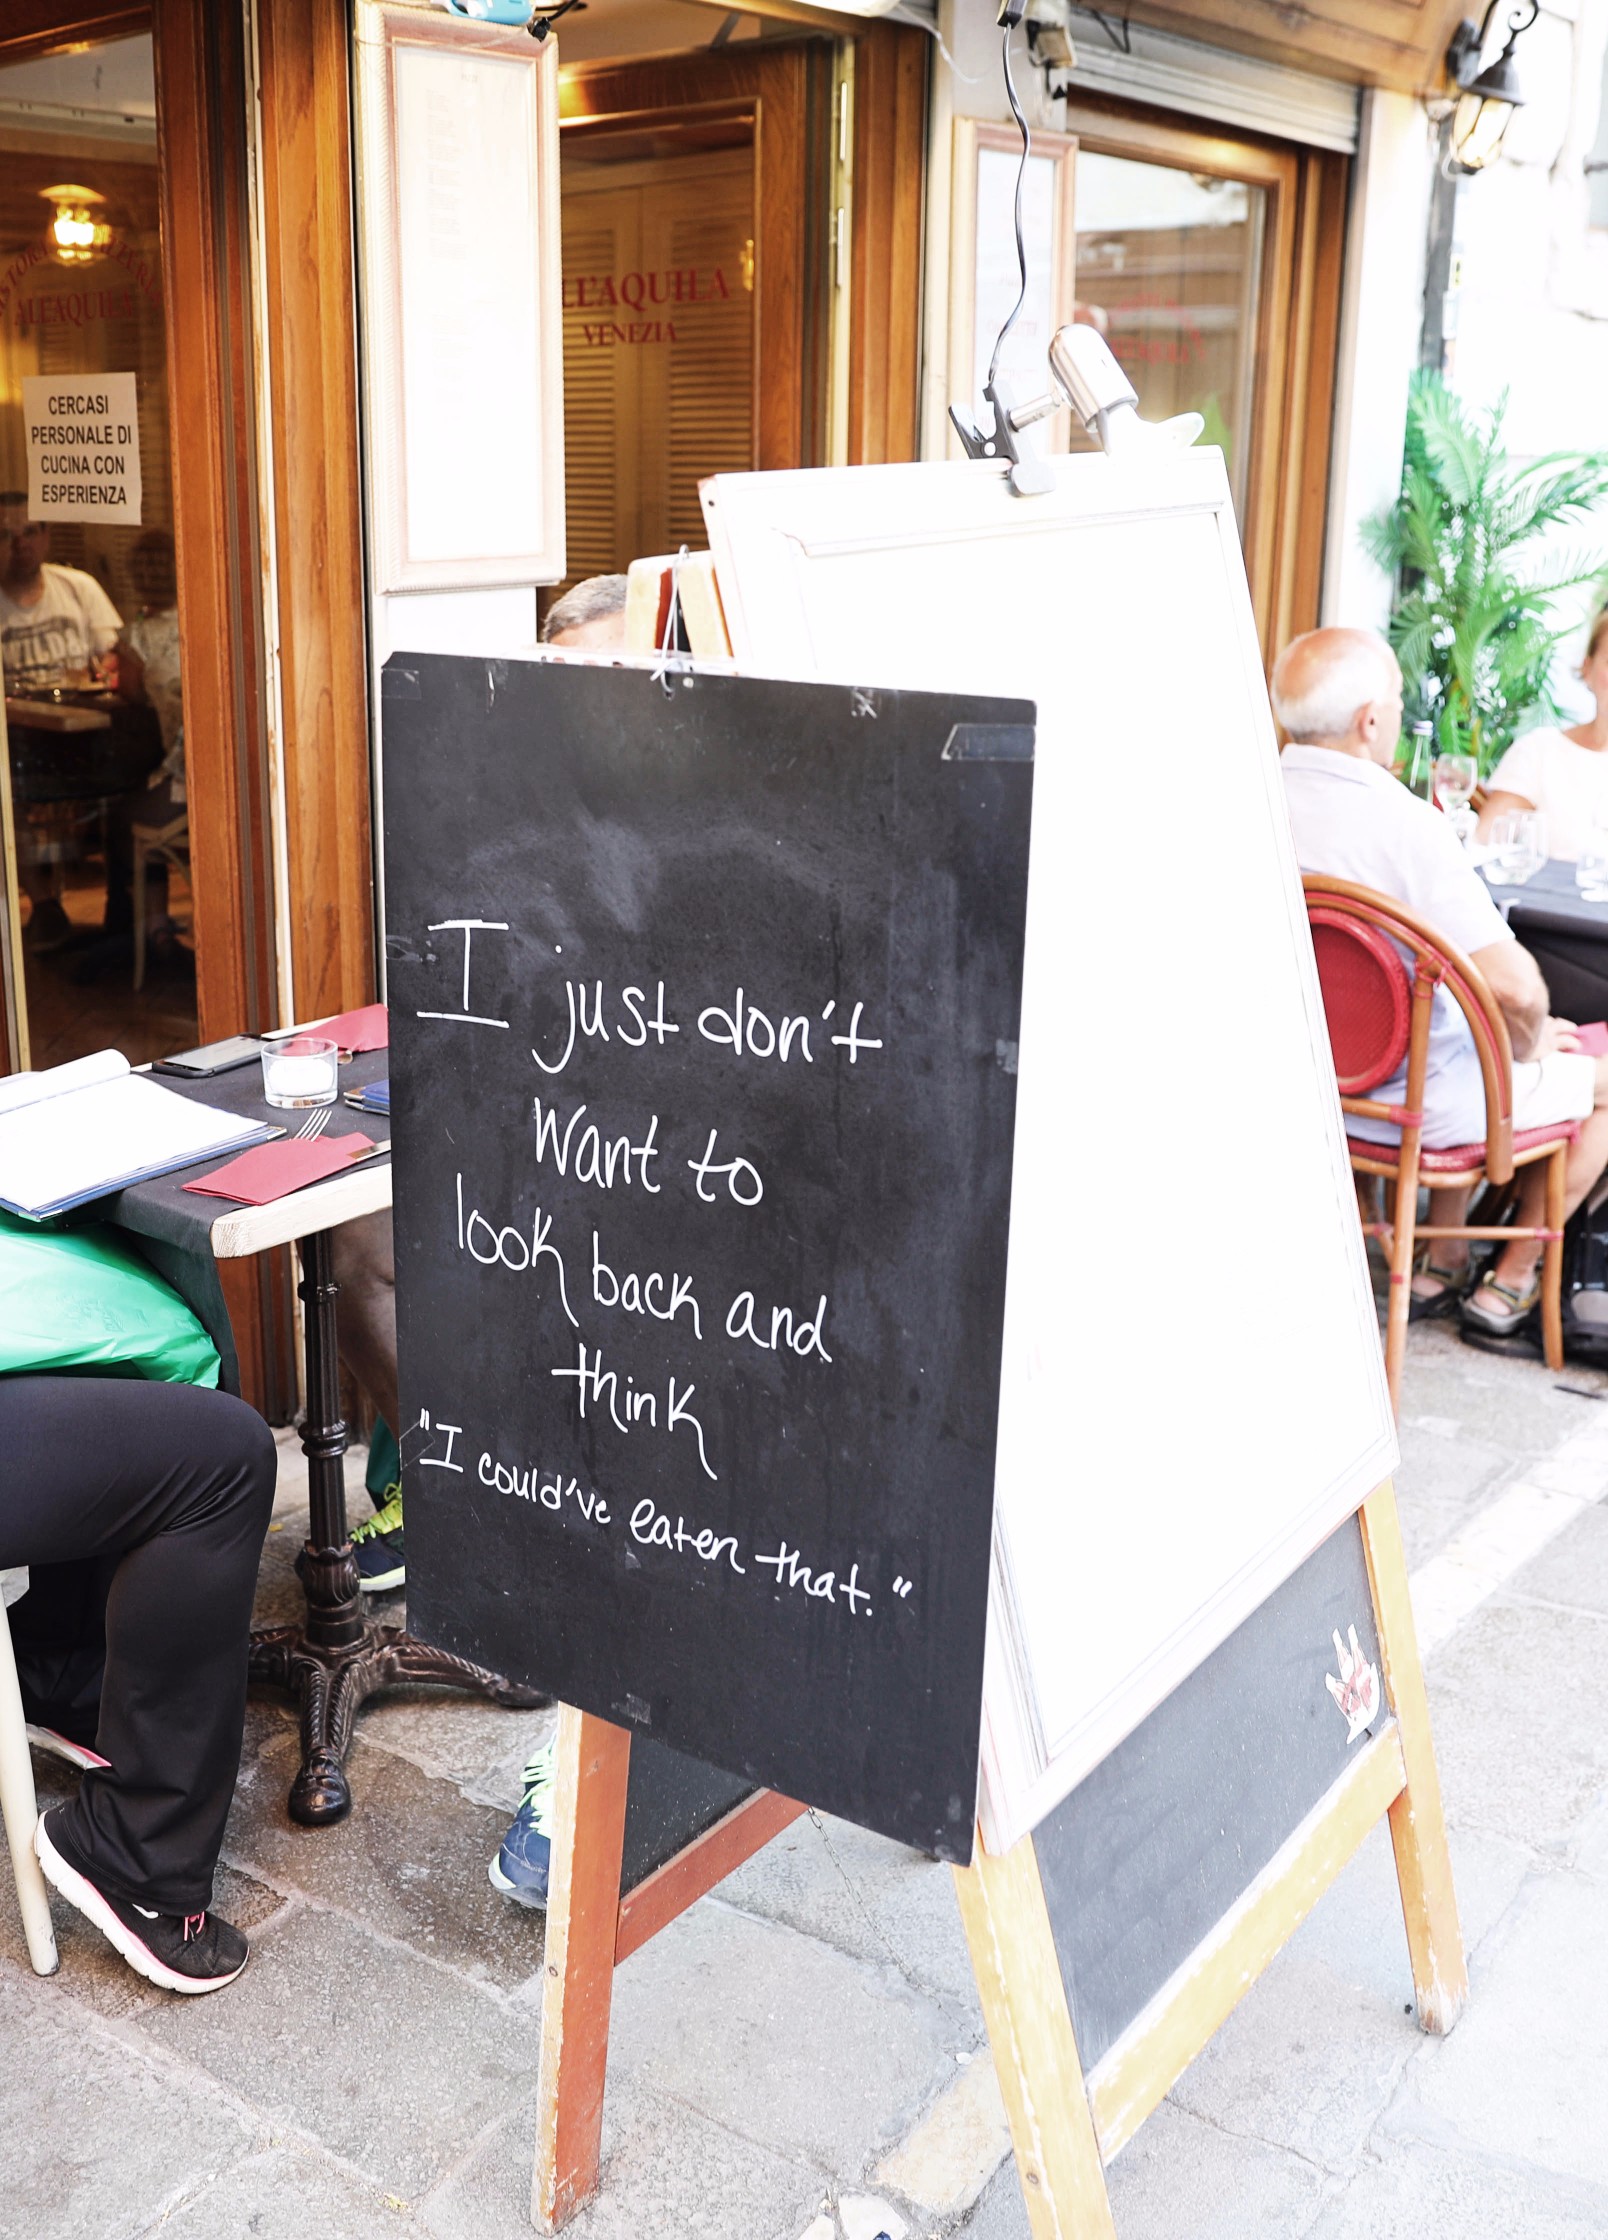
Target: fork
[{"x": 314, "y": 1124}]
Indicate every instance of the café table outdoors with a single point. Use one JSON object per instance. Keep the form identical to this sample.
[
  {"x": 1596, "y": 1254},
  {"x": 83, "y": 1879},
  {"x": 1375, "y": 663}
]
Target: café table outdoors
[
  {"x": 335, "y": 1659},
  {"x": 1566, "y": 934}
]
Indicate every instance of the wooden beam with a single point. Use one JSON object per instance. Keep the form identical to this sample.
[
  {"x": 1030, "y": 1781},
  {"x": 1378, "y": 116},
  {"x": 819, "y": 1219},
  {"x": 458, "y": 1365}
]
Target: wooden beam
[
  {"x": 311, "y": 357},
  {"x": 592, "y": 1763},
  {"x": 1197, "y": 1999},
  {"x": 708, "y": 1859},
  {"x": 1396, "y": 43},
  {"x": 890, "y": 139},
  {"x": 1417, "y": 1818},
  {"x": 36, "y": 27},
  {"x": 1035, "y": 2054}
]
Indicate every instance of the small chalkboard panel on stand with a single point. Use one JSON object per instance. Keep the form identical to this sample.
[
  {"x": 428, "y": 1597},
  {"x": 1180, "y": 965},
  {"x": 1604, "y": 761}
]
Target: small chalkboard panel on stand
[{"x": 704, "y": 999}]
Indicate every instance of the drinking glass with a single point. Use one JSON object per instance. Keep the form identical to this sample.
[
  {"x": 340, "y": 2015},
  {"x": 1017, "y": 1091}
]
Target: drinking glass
[
  {"x": 1591, "y": 869},
  {"x": 1456, "y": 776},
  {"x": 1503, "y": 864},
  {"x": 299, "y": 1070},
  {"x": 1532, "y": 842}
]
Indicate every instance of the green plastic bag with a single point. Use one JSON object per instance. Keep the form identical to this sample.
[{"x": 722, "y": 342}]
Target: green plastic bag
[{"x": 84, "y": 1299}]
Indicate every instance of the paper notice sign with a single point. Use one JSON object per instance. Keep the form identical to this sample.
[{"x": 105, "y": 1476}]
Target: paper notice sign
[{"x": 83, "y": 447}]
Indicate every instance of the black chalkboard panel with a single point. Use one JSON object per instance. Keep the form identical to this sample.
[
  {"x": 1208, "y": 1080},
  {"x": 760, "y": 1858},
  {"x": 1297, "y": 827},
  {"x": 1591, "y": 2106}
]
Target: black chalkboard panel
[
  {"x": 704, "y": 1002},
  {"x": 1154, "y": 1847},
  {"x": 670, "y": 1800}
]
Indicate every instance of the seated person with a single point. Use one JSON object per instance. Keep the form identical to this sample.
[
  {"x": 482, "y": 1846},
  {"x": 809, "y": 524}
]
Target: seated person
[
  {"x": 56, "y": 625},
  {"x": 1338, "y": 695},
  {"x": 1564, "y": 774},
  {"x": 142, "y": 1508},
  {"x": 590, "y": 618}
]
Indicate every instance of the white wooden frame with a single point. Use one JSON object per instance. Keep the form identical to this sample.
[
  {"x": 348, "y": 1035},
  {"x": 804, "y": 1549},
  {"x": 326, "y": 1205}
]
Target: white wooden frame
[
  {"x": 1153, "y": 1487},
  {"x": 466, "y": 395},
  {"x": 1057, "y": 256}
]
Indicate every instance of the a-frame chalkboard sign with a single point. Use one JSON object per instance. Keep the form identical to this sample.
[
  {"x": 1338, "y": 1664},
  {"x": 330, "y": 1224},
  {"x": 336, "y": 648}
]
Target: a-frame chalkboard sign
[{"x": 1111, "y": 1941}]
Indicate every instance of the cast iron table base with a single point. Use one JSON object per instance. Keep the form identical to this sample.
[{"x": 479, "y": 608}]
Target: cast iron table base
[{"x": 333, "y": 1662}]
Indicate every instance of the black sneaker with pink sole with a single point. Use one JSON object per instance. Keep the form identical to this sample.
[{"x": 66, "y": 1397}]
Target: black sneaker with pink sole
[{"x": 187, "y": 1952}]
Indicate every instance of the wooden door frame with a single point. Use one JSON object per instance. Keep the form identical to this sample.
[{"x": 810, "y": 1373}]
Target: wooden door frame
[
  {"x": 1297, "y": 338},
  {"x": 774, "y": 79},
  {"x": 892, "y": 63}
]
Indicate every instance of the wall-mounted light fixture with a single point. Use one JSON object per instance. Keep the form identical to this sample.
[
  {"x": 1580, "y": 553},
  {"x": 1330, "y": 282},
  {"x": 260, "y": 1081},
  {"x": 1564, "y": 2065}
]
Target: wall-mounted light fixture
[
  {"x": 75, "y": 233},
  {"x": 1486, "y": 98}
]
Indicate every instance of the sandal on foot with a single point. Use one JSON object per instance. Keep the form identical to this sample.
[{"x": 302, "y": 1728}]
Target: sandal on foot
[
  {"x": 1499, "y": 1310},
  {"x": 1453, "y": 1283}
]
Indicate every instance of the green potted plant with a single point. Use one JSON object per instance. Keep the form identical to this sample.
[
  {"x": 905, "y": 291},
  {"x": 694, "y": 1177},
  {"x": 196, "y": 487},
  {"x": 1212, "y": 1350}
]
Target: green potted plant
[{"x": 1474, "y": 625}]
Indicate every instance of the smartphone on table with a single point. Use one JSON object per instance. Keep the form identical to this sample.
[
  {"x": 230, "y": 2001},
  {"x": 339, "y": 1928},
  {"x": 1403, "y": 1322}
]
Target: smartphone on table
[{"x": 212, "y": 1057}]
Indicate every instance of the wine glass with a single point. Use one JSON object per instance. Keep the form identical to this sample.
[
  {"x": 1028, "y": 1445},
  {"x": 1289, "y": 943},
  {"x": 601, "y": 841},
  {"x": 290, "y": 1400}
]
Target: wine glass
[{"x": 1456, "y": 776}]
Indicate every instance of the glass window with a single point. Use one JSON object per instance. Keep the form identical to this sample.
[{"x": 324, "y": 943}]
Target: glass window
[
  {"x": 1169, "y": 268},
  {"x": 89, "y": 630}
]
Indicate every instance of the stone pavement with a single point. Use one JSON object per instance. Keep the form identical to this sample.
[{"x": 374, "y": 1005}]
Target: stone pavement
[{"x": 801, "y": 2057}]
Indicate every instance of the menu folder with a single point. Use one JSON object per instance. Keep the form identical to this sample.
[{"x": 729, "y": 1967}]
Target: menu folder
[{"x": 81, "y": 1131}]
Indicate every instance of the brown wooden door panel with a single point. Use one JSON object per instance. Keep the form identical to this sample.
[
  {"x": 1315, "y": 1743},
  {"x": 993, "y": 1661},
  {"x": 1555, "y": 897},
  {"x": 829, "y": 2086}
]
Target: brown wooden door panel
[
  {"x": 658, "y": 347},
  {"x": 786, "y": 89}
]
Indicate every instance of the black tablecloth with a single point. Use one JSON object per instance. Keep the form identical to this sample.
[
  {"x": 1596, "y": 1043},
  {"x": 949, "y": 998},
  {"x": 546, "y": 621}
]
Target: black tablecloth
[
  {"x": 173, "y": 1227},
  {"x": 1566, "y": 935}
]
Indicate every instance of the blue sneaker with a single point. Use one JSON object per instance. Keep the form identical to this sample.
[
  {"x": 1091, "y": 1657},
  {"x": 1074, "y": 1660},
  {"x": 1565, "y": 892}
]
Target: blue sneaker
[{"x": 519, "y": 1870}]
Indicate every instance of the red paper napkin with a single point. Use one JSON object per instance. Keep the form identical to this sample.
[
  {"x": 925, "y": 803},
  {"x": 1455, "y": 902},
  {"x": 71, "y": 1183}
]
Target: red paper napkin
[
  {"x": 368, "y": 1028},
  {"x": 272, "y": 1170}
]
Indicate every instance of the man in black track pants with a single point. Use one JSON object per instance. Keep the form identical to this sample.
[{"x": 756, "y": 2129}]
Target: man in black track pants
[{"x": 166, "y": 1489}]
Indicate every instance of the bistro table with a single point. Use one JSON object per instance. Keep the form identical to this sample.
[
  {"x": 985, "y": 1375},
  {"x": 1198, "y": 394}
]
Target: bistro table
[
  {"x": 1566, "y": 935},
  {"x": 335, "y": 1659}
]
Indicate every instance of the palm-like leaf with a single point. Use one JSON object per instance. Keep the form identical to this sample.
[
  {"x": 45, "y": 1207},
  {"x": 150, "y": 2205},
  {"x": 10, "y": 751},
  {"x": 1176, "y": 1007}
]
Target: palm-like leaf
[{"x": 1474, "y": 623}]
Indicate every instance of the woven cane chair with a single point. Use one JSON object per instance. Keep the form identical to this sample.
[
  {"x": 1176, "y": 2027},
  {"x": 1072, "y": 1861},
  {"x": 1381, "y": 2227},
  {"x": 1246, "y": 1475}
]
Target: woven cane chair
[
  {"x": 1378, "y": 1006},
  {"x": 18, "y": 1804}
]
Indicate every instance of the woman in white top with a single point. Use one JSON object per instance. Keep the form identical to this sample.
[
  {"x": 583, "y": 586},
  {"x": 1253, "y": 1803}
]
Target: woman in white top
[{"x": 1564, "y": 774}]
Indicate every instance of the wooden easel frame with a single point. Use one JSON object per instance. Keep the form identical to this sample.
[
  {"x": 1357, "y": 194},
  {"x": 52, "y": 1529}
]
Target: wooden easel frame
[{"x": 1066, "y": 2126}]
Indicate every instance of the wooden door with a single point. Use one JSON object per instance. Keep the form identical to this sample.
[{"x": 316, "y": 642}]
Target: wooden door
[{"x": 658, "y": 348}]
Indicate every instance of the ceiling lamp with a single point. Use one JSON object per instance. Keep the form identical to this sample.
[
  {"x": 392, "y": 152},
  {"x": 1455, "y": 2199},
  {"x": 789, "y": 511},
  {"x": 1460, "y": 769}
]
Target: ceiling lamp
[
  {"x": 1486, "y": 99},
  {"x": 75, "y": 233}
]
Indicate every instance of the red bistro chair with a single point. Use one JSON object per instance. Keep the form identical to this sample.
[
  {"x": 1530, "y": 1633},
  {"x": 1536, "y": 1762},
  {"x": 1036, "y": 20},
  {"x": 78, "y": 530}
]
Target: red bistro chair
[{"x": 1378, "y": 1008}]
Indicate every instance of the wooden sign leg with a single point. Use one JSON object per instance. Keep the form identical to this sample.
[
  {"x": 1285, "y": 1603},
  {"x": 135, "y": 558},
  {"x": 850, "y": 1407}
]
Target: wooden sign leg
[
  {"x": 593, "y": 1760},
  {"x": 1035, "y": 2054},
  {"x": 1417, "y": 1820}
]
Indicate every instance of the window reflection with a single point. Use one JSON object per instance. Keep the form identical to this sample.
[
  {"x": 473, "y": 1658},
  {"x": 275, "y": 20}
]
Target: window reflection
[{"x": 1168, "y": 266}]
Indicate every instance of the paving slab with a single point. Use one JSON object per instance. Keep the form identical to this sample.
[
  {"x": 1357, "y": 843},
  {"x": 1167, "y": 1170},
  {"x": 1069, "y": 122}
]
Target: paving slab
[
  {"x": 1179, "y": 2179},
  {"x": 1591, "y": 1846},
  {"x": 1307, "y": 2062},
  {"x": 289, "y": 2193},
  {"x": 870, "y": 1898},
  {"x": 1415, "y": 2192},
  {"x": 97, "y": 2139},
  {"x": 480, "y": 1747},
  {"x": 1514, "y": 1406},
  {"x": 1441, "y": 1482},
  {"x": 949, "y": 2158},
  {"x": 396, "y": 2066},
  {"x": 668, "y": 2174},
  {"x": 779, "y": 2038},
  {"x": 410, "y": 1861},
  {"x": 1522, "y": 2077},
  {"x": 1356, "y": 1927},
  {"x": 1518, "y": 1703},
  {"x": 1573, "y": 1571}
]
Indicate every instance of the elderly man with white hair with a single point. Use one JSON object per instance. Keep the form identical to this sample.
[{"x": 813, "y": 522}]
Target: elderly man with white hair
[{"x": 1338, "y": 695}]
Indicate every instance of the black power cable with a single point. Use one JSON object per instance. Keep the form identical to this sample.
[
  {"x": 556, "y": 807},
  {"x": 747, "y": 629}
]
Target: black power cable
[{"x": 1011, "y": 19}]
